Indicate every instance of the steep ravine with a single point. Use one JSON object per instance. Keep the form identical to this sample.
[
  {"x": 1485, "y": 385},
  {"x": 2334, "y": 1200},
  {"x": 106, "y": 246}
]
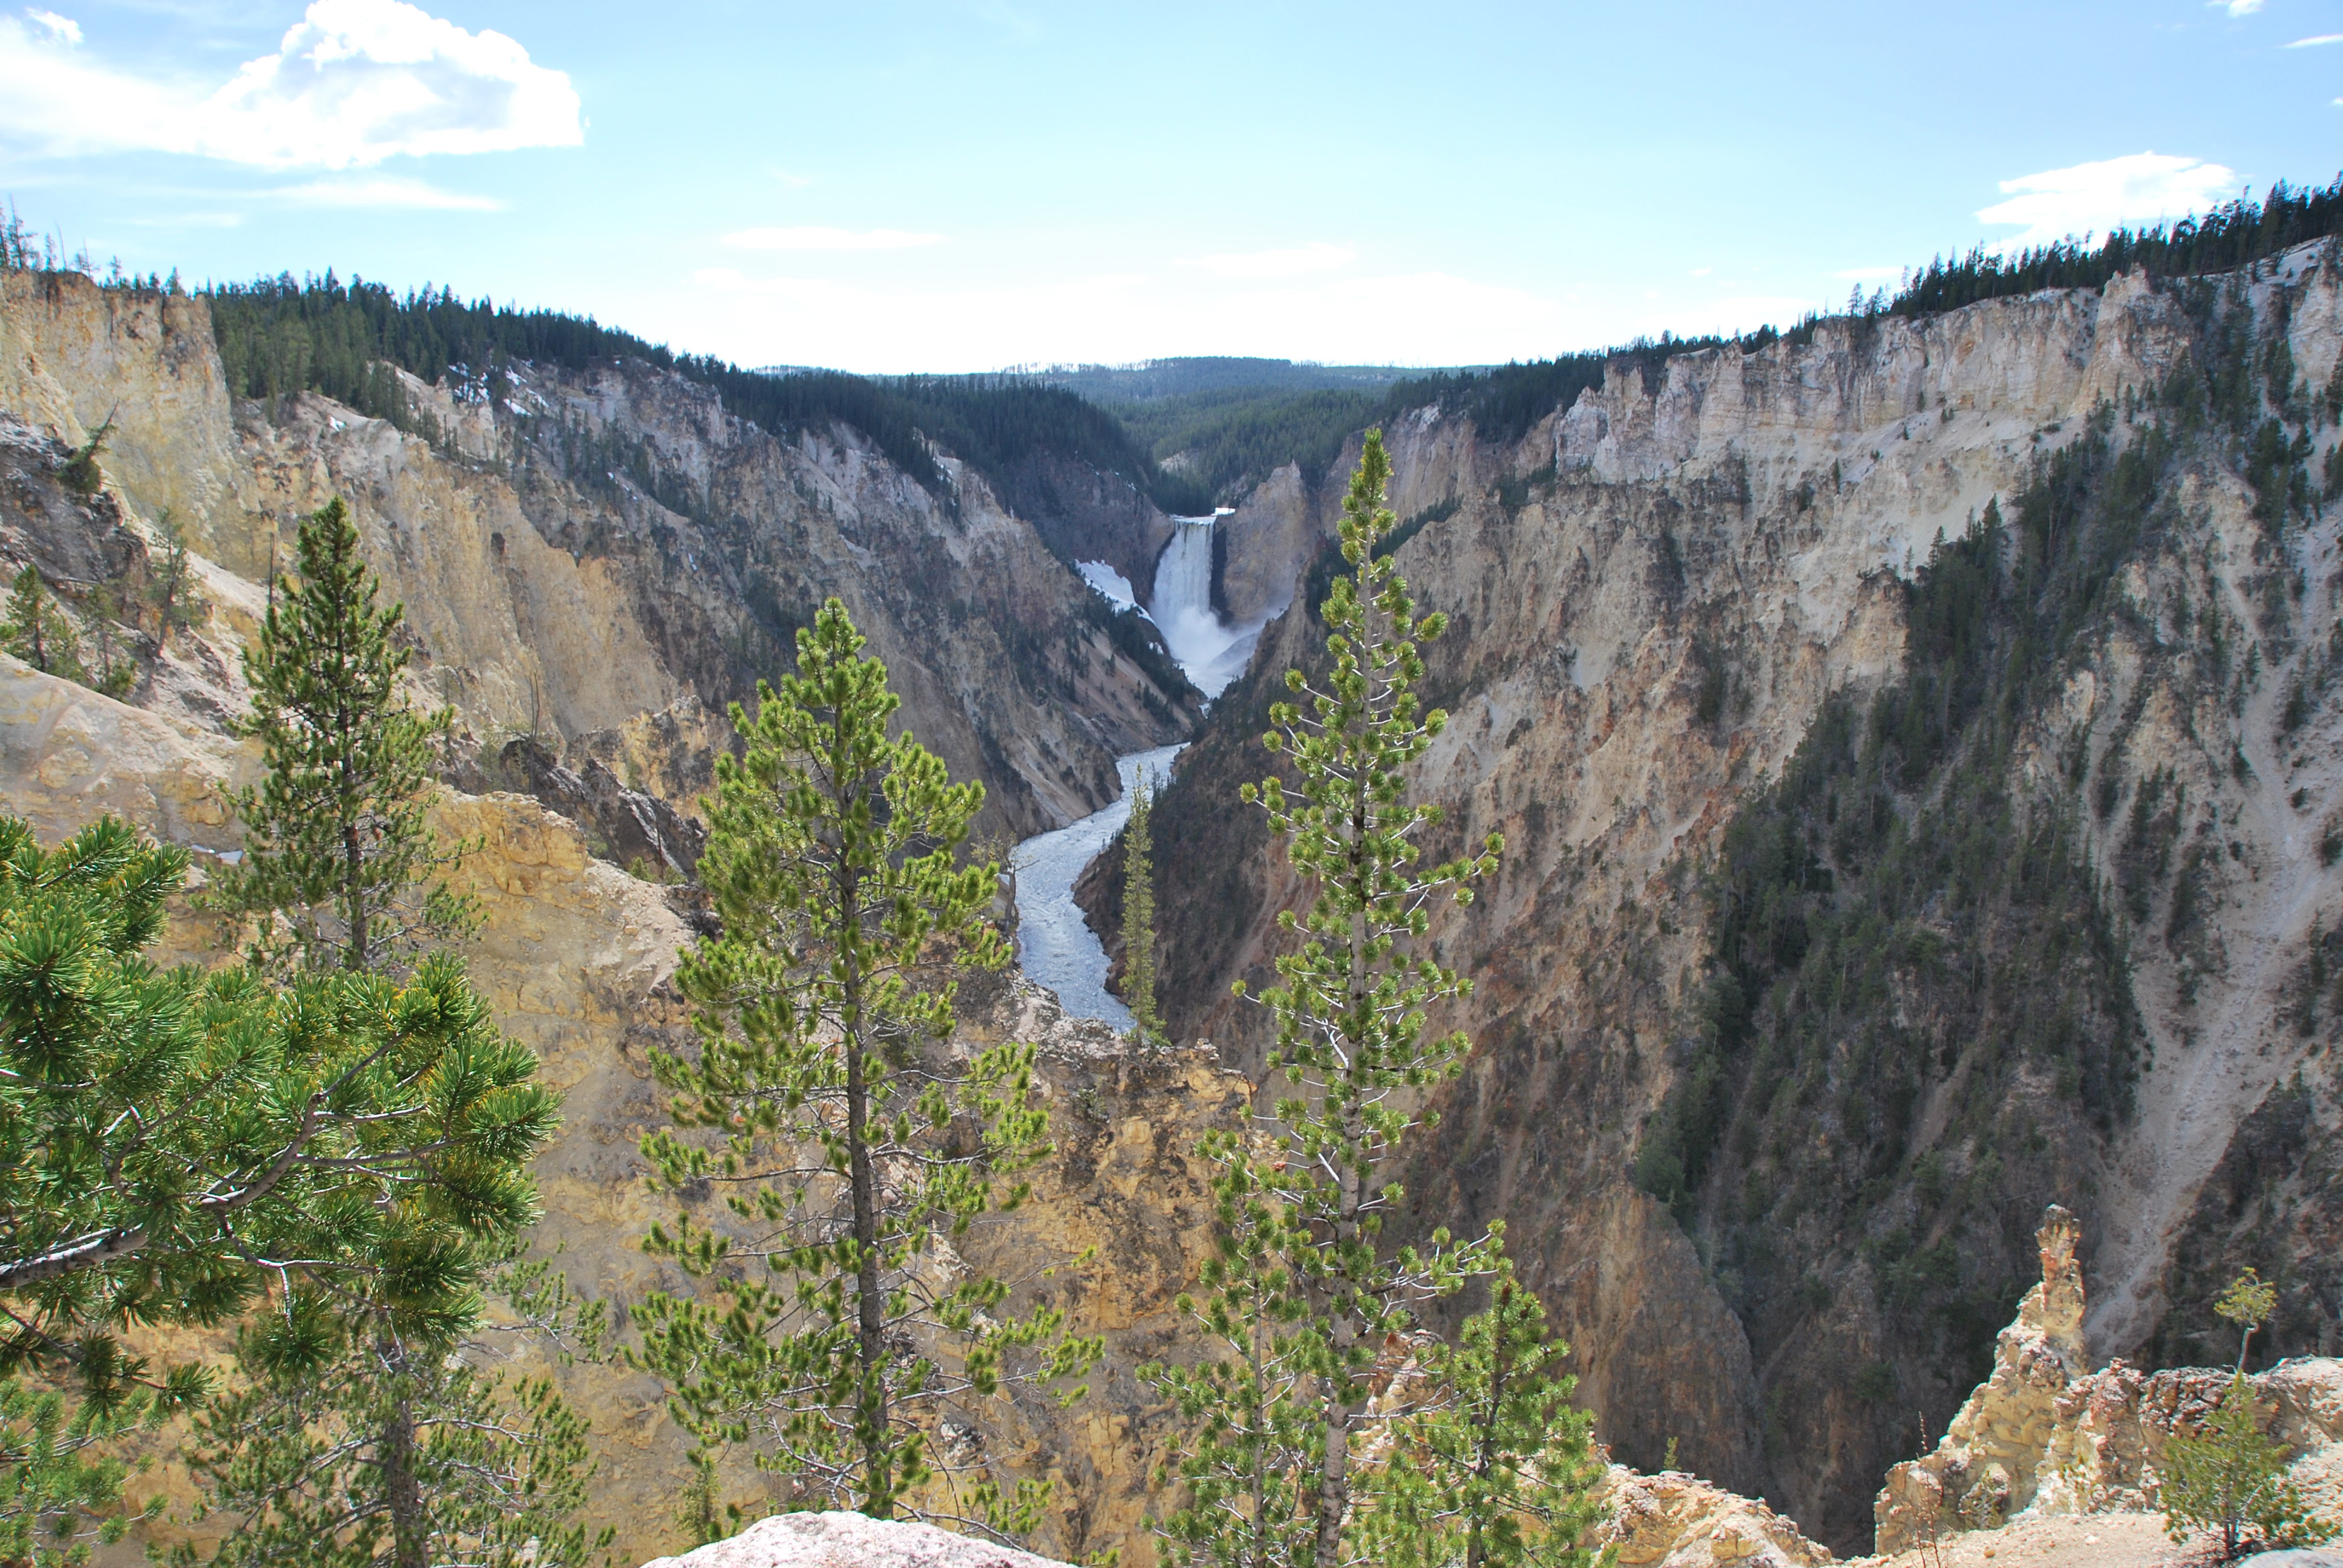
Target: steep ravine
[
  {"x": 1695, "y": 614},
  {"x": 2095, "y": 982}
]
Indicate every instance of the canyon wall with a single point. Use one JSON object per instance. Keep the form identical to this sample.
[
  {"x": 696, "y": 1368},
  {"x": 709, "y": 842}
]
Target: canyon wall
[
  {"x": 1870, "y": 881},
  {"x": 577, "y": 550},
  {"x": 1769, "y": 1097}
]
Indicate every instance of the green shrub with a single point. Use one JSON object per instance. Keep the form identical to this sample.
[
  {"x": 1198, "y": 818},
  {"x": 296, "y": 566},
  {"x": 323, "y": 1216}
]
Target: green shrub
[
  {"x": 2229, "y": 1477},
  {"x": 2232, "y": 1479}
]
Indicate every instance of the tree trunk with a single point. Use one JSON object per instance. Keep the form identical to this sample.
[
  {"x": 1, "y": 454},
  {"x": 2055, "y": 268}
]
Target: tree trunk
[
  {"x": 410, "y": 1533},
  {"x": 1334, "y": 1466},
  {"x": 870, "y": 1301},
  {"x": 353, "y": 864}
]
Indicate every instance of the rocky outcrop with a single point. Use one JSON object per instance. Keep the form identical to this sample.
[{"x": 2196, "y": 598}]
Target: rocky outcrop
[
  {"x": 1989, "y": 1465},
  {"x": 2046, "y": 1436},
  {"x": 629, "y": 828},
  {"x": 1673, "y": 1520},
  {"x": 1666, "y": 1521}
]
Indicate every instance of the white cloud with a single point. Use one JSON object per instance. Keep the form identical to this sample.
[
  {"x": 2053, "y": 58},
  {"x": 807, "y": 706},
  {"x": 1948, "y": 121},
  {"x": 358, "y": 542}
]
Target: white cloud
[
  {"x": 1317, "y": 256},
  {"x": 2313, "y": 43},
  {"x": 1702, "y": 271},
  {"x": 63, "y": 28},
  {"x": 354, "y": 82},
  {"x": 830, "y": 239},
  {"x": 2093, "y": 198},
  {"x": 2238, "y": 7},
  {"x": 385, "y": 191}
]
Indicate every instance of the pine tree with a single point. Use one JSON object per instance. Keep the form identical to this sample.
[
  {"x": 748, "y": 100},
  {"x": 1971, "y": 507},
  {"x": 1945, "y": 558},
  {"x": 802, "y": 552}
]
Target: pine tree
[
  {"x": 38, "y": 630},
  {"x": 336, "y": 848},
  {"x": 185, "y": 1147},
  {"x": 338, "y": 854},
  {"x": 339, "y": 1455},
  {"x": 1349, "y": 1007},
  {"x": 82, "y": 473},
  {"x": 850, "y": 1145},
  {"x": 1139, "y": 918},
  {"x": 1500, "y": 1471},
  {"x": 362, "y": 1427},
  {"x": 1250, "y": 1465},
  {"x": 170, "y": 585},
  {"x": 112, "y": 671},
  {"x": 2230, "y": 1477}
]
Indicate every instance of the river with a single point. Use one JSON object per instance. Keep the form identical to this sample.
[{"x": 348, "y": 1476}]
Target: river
[{"x": 1055, "y": 946}]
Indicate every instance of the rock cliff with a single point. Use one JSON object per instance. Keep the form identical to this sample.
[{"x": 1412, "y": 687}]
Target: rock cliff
[
  {"x": 2046, "y": 1436},
  {"x": 583, "y": 549},
  {"x": 1846, "y": 920}
]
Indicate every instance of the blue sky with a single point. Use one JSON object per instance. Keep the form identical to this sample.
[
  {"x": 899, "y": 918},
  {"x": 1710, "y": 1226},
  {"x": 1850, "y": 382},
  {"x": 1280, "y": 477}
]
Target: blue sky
[{"x": 895, "y": 184}]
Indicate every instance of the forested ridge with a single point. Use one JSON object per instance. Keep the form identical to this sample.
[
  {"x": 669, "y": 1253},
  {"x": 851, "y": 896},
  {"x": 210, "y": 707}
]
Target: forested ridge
[{"x": 280, "y": 335}]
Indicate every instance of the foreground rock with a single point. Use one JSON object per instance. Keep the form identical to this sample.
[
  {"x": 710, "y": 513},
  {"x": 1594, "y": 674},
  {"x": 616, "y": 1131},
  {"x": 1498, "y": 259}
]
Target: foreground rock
[
  {"x": 1676, "y": 1521},
  {"x": 851, "y": 1541},
  {"x": 2045, "y": 1436}
]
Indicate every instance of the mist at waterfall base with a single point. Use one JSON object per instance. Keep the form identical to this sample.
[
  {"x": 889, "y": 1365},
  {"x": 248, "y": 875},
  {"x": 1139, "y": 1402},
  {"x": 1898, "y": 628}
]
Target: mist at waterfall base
[
  {"x": 1211, "y": 653},
  {"x": 1055, "y": 945}
]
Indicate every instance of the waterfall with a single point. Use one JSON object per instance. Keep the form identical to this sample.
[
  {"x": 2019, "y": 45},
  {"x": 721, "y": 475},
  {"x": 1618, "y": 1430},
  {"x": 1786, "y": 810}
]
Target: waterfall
[
  {"x": 1211, "y": 652},
  {"x": 1055, "y": 944}
]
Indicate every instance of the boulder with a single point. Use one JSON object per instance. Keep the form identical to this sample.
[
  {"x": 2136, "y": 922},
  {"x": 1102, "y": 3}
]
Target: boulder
[{"x": 851, "y": 1541}]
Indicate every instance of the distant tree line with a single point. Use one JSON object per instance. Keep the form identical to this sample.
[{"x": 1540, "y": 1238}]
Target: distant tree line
[
  {"x": 1234, "y": 438},
  {"x": 280, "y": 335},
  {"x": 1230, "y": 440},
  {"x": 2223, "y": 240},
  {"x": 1244, "y": 376}
]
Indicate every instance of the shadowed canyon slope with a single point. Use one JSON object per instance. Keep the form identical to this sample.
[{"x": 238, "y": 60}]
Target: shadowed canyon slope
[{"x": 1854, "y": 906}]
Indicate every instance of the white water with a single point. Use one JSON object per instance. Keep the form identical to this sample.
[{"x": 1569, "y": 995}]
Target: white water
[
  {"x": 1212, "y": 652},
  {"x": 1055, "y": 945}
]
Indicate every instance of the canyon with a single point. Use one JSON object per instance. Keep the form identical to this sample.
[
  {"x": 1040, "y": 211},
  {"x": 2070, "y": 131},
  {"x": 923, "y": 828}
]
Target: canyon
[{"x": 1670, "y": 598}]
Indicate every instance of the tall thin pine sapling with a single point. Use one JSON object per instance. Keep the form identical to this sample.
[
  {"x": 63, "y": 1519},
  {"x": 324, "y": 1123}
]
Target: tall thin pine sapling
[
  {"x": 832, "y": 1339},
  {"x": 2229, "y": 1477},
  {"x": 1499, "y": 1471},
  {"x": 339, "y": 862},
  {"x": 1352, "y": 1047},
  {"x": 1139, "y": 918},
  {"x": 1248, "y": 1468}
]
